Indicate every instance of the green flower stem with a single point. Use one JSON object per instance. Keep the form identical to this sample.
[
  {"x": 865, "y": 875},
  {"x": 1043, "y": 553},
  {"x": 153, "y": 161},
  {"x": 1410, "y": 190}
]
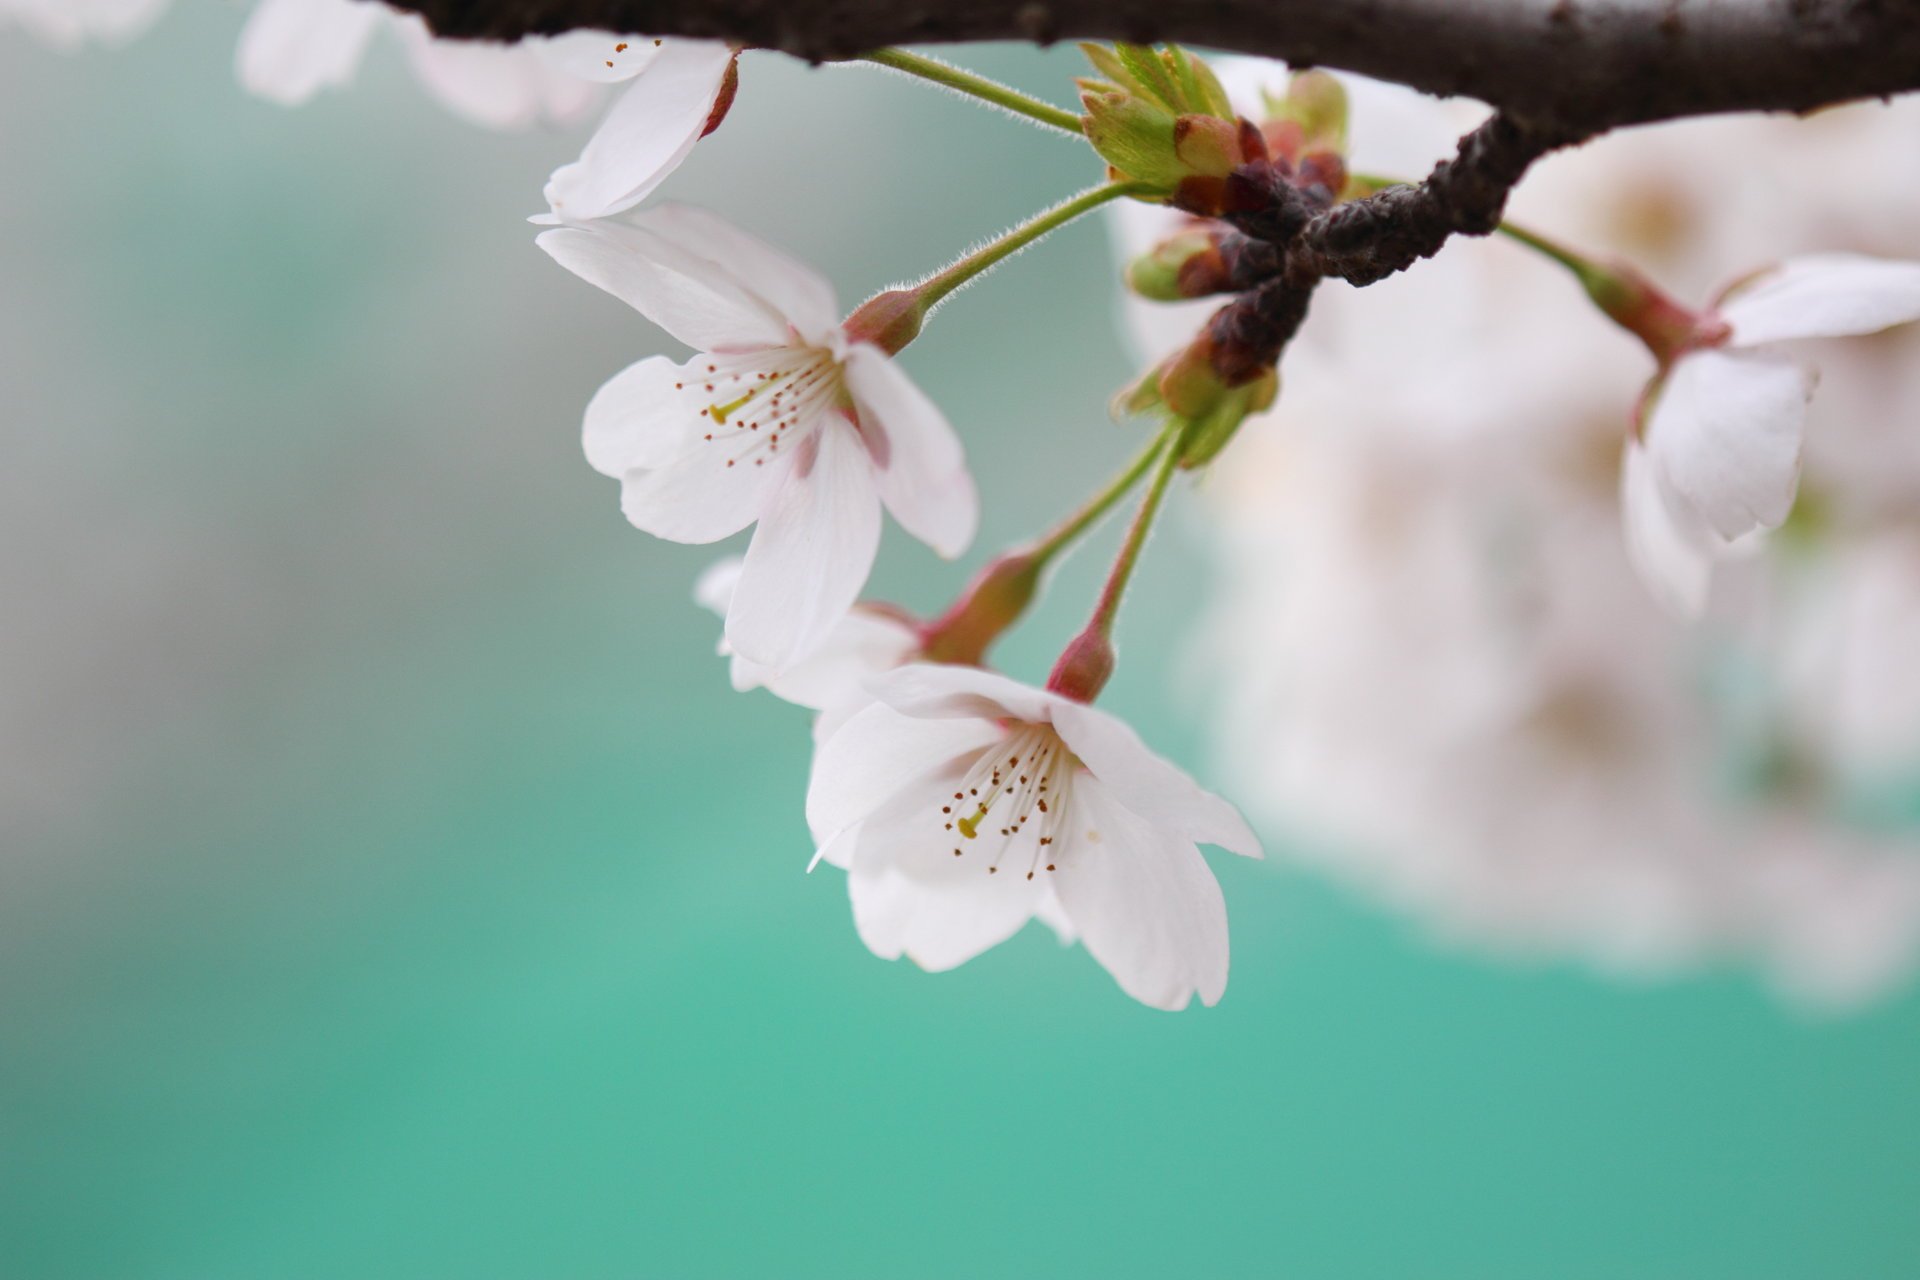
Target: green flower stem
[
  {"x": 1069, "y": 531},
  {"x": 929, "y": 293},
  {"x": 1167, "y": 448},
  {"x": 1001, "y": 592},
  {"x": 973, "y": 86}
]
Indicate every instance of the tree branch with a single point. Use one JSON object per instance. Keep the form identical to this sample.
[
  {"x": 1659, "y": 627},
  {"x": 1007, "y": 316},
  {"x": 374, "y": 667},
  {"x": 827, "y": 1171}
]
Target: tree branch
[
  {"x": 1576, "y": 65},
  {"x": 1371, "y": 238}
]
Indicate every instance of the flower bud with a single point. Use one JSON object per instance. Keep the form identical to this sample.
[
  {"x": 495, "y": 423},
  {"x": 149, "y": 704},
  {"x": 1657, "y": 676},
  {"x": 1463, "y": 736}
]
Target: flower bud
[
  {"x": 1158, "y": 117},
  {"x": 1178, "y": 267},
  {"x": 1084, "y": 667},
  {"x": 1311, "y": 118}
]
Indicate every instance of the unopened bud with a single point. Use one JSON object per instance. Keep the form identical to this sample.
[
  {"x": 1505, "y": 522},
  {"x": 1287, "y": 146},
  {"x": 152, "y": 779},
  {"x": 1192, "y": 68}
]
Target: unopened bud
[
  {"x": 1084, "y": 666},
  {"x": 1157, "y": 117},
  {"x": 1187, "y": 265}
]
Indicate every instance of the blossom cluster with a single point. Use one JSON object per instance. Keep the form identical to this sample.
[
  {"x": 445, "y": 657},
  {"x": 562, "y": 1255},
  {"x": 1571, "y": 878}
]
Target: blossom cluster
[{"x": 1501, "y": 606}]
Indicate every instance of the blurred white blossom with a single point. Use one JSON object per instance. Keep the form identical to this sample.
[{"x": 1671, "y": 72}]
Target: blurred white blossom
[
  {"x": 70, "y": 24},
  {"x": 1717, "y": 457},
  {"x": 1441, "y": 676},
  {"x": 291, "y": 50}
]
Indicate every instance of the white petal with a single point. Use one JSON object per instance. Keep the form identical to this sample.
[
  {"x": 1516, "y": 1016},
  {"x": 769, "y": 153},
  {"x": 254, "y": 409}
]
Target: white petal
[
  {"x": 600, "y": 56},
  {"x": 877, "y": 754},
  {"x": 292, "y": 49},
  {"x": 912, "y": 897},
  {"x": 688, "y": 297},
  {"x": 941, "y": 692},
  {"x": 713, "y": 590},
  {"x": 637, "y": 419},
  {"x": 938, "y": 926},
  {"x": 918, "y": 463},
  {"x": 1828, "y": 295},
  {"x": 497, "y": 86},
  {"x": 811, "y": 554},
  {"x": 1144, "y": 901},
  {"x": 862, "y": 645},
  {"x": 1724, "y": 437},
  {"x": 1150, "y": 786},
  {"x": 799, "y": 295},
  {"x": 697, "y": 498},
  {"x": 647, "y": 134},
  {"x": 1673, "y": 558}
]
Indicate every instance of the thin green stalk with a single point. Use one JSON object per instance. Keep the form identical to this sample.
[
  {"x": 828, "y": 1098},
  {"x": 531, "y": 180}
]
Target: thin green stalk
[
  {"x": 1108, "y": 606},
  {"x": 1541, "y": 245},
  {"x": 973, "y": 86},
  {"x": 1068, "y": 531},
  {"x": 935, "y": 288}
]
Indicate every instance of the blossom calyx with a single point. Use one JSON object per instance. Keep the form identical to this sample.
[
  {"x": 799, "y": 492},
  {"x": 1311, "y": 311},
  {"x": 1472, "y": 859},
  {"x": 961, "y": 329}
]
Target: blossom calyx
[
  {"x": 889, "y": 320},
  {"x": 1637, "y": 305},
  {"x": 992, "y": 602},
  {"x": 1084, "y": 666}
]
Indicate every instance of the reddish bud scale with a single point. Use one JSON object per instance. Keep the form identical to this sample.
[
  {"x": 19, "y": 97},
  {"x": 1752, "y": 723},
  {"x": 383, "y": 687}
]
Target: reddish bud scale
[
  {"x": 1244, "y": 339},
  {"x": 723, "y": 101}
]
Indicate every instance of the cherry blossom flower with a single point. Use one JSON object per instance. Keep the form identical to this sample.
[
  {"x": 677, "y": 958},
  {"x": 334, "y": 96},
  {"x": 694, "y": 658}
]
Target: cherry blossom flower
[
  {"x": 681, "y": 89},
  {"x": 963, "y": 803},
  {"x": 782, "y": 419},
  {"x": 866, "y": 643},
  {"x": 1717, "y": 457},
  {"x": 69, "y": 24}
]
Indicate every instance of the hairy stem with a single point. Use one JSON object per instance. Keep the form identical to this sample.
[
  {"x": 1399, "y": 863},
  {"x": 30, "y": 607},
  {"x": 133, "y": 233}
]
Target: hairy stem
[{"x": 970, "y": 85}]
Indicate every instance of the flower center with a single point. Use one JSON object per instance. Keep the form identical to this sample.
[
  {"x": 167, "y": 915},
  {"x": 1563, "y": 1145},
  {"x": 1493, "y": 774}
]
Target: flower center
[
  {"x": 1015, "y": 793},
  {"x": 751, "y": 404}
]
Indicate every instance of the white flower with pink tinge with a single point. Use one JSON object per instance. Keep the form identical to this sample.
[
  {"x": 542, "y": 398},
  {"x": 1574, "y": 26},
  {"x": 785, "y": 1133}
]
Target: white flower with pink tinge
[
  {"x": 963, "y": 804},
  {"x": 69, "y": 24},
  {"x": 1718, "y": 455},
  {"x": 783, "y": 419}
]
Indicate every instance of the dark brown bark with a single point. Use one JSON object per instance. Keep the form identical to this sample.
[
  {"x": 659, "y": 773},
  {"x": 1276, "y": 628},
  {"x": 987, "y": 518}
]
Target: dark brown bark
[{"x": 1575, "y": 65}]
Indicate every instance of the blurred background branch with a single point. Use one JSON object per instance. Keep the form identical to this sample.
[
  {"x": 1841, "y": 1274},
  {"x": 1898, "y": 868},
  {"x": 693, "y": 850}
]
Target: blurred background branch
[{"x": 1578, "y": 65}]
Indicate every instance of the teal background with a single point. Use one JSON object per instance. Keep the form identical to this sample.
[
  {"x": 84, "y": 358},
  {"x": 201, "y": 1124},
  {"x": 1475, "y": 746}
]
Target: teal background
[{"x": 394, "y": 888}]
